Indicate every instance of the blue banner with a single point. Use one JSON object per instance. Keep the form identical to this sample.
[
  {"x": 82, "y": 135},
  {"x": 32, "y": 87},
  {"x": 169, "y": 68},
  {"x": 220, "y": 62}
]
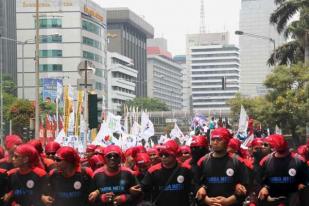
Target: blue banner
[{"x": 50, "y": 88}]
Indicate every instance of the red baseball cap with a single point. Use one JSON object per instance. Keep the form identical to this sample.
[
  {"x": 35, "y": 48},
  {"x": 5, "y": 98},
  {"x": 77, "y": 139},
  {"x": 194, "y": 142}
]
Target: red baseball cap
[
  {"x": 170, "y": 147},
  {"x": 199, "y": 141},
  {"x": 27, "y": 150},
  {"x": 12, "y": 140},
  {"x": 234, "y": 143},
  {"x": 52, "y": 147},
  {"x": 68, "y": 154},
  {"x": 222, "y": 133},
  {"x": 279, "y": 142}
]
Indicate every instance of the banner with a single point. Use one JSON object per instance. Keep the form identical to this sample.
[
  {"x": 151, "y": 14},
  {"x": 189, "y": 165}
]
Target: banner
[
  {"x": 50, "y": 88},
  {"x": 243, "y": 120},
  {"x": 113, "y": 123},
  {"x": 78, "y": 113}
]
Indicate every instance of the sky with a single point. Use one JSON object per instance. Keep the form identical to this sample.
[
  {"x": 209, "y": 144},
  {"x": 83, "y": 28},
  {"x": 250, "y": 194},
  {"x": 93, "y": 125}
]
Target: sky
[{"x": 173, "y": 19}]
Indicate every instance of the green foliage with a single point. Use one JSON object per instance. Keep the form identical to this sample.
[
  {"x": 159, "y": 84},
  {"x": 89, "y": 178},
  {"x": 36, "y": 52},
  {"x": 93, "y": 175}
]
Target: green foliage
[
  {"x": 295, "y": 50},
  {"x": 149, "y": 104},
  {"x": 286, "y": 104},
  {"x": 20, "y": 113}
]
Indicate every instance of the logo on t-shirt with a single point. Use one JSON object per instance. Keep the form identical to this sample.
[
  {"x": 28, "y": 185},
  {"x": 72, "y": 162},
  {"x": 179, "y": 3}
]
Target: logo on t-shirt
[
  {"x": 292, "y": 172},
  {"x": 30, "y": 184},
  {"x": 180, "y": 179},
  {"x": 230, "y": 172},
  {"x": 77, "y": 185}
]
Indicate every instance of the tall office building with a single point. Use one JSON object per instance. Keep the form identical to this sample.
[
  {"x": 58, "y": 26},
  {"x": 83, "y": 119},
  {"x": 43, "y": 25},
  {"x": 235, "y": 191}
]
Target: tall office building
[
  {"x": 121, "y": 79},
  {"x": 8, "y": 49},
  {"x": 127, "y": 34},
  {"x": 70, "y": 32},
  {"x": 164, "y": 76},
  {"x": 212, "y": 61},
  {"x": 254, "y": 52}
]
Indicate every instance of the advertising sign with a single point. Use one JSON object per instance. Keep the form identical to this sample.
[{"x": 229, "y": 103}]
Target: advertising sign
[{"x": 50, "y": 88}]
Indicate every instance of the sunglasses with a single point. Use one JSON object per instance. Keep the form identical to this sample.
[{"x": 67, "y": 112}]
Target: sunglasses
[
  {"x": 113, "y": 156},
  {"x": 216, "y": 139},
  {"x": 164, "y": 155},
  {"x": 265, "y": 145},
  {"x": 57, "y": 159}
]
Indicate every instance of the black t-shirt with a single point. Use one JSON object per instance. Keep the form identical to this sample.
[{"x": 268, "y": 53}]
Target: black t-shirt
[
  {"x": 118, "y": 183},
  {"x": 4, "y": 164},
  {"x": 3, "y": 184},
  {"x": 221, "y": 174},
  {"x": 176, "y": 192},
  {"x": 70, "y": 191},
  {"x": 282, "y": 175},
  {"x": 27, "y": 188}
]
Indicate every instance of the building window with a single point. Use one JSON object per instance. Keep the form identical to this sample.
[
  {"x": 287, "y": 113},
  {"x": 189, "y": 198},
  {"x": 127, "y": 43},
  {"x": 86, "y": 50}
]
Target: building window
[
  {"x": 92, "y": 27},
  {"x": 98, "y": 86},
  {"x": 50, "y": 67},
  {"x": 50, "y": 39},
  {"x": 50, "y": 23},
  {"x": 99, "y": 72},
  {"x": 92, "y": 43},
  {"x": 92, "y": 56},
  {"x": 50, "y": 53}
]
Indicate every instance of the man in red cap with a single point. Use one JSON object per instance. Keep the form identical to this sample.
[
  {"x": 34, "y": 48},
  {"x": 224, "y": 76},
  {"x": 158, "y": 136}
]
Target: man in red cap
[
  {"x": 69, "y": 184},
  {"x": 26, "y": 180},
  {"x": 10, "y": 144},
  {"x": 154, "y": 155},
  {"x": 169, "y": 182},
  {"x": 112, "y": 181},
  {"x": 51, "y": 149},
  {"x": 223, "y": 176},
  {"x": 282, "y": 174}
]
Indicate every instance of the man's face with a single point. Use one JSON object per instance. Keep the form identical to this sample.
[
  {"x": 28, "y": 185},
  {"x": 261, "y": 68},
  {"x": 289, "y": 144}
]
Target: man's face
[
  {"x": 218, "y": 144},
  {"x": 19, "y": 160},
  {"x": 113, "y": 161},
  {"x": 167, "y": 159},
  {"x": 266, "y": 149}
]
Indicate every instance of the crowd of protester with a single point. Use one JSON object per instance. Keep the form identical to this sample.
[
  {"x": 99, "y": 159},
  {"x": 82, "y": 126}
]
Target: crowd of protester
[{"x": 218, "y": 172}]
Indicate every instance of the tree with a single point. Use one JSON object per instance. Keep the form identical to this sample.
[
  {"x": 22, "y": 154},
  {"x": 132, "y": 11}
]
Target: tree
[
  {"x": 289, "y": 96},
  {"x": 149, "y": 104},
  {"x": 285, "y": 105},
  {"x": 20, "y": 112},
  {"x": 298, "y": 29}
]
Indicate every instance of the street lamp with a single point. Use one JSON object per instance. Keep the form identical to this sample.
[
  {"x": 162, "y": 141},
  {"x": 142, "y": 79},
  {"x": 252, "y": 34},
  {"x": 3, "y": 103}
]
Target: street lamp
[{"x": 240, "y": 33}]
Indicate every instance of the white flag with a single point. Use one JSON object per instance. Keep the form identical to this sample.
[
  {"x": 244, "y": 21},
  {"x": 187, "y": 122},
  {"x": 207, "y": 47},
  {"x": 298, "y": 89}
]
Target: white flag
[
  {"x": 60, "y": 137},
  {"x": 59, "y": 90},
  {"x": 176, "y": 132},
  {"x": 243, "y": 120},
  {"x": 278, "y": 130}
]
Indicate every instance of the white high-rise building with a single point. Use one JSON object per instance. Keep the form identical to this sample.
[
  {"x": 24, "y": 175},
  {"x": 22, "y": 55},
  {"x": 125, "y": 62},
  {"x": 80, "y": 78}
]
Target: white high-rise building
[
  {"x": 210, "y": 59},
  {"x": 80, "y": 26},
  {"x": 121, "y": 81},
  {"x": 254, "y": 52}
]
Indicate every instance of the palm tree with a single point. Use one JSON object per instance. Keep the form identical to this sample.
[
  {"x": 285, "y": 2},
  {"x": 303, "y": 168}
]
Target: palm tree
[{"x": 298, "y": 30}]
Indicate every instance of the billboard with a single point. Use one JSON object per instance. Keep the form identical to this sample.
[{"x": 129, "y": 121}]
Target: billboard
[{"x": 50, "y": 88}]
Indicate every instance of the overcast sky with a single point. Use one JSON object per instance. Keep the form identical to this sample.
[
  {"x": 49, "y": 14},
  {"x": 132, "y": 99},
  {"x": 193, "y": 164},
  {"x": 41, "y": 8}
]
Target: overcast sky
[{"x": 173, "y": 19}]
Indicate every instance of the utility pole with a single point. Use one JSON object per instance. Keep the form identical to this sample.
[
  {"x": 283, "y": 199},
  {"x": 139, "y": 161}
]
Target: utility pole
[
  {"x": 1, "y": 91},
  {"x": 37, "y": 74}
]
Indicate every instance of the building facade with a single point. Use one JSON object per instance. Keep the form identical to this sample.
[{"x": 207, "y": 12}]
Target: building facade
[
  {"x": 121, "y": 81},
  {"x": 127, "y": 36},
  {"x": 254, "y": 52},
  {"x": 214, "y": 72},
  {"x": 8, "y": 49},
  {"x": 70, "y": 32},
  {"x": 164, "y": 76}
]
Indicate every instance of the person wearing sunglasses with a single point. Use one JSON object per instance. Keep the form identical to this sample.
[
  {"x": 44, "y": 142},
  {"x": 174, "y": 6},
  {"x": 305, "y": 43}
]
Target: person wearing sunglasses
[
  {"x": 223, "y": 175},
  {"x": 169, "y": 182},
  {"x": 51, "y": 149},
  {"x": 283, "y": 174},
  {"x": 26, "y": 180},
  {"x": 112, "y": 181},
  {"x": 69, "y": 184}
]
